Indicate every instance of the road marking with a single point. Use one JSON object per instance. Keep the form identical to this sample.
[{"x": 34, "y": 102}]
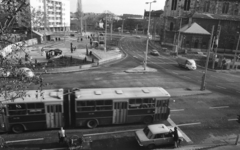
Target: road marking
[
  {"x": 177, "y": 110},
  {"x": 104, "y": 133},
  {"x": 218, "y": 107},
  {"x": 187, "y": 77},
  {"x": 232, "y": 119},
  {"x": 189, "y": 124},
  {"x": 174, "y": 73},
  {"x": 135, "y": 56},
  {"x": 184, "y": 135},
  {"x": 220, "y": 87},
  {"x": 39, "y": 139}
]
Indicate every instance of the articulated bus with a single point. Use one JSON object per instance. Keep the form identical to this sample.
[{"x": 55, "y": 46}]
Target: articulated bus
[{"x": 84, "y": 107}]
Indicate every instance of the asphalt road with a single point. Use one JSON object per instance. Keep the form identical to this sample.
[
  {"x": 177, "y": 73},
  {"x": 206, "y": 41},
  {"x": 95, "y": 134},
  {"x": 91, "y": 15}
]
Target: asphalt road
[{"x": 203, "y": 118}]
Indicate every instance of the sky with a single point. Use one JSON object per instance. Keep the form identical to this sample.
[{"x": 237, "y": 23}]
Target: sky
[{"x": 117, "y": 7}]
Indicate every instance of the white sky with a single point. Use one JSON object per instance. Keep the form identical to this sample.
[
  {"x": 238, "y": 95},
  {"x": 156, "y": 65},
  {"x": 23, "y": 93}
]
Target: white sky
[{"x": 117, "y": 7}]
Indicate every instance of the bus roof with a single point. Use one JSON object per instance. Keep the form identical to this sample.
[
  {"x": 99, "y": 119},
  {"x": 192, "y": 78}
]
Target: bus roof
[
  {"x": 53, "y": 95},
  {"x": 120, "y": 93}
]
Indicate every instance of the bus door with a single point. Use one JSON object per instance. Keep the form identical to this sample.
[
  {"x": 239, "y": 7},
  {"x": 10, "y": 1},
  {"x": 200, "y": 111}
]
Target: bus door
[
  {"x": 161, "y": 110},
  {"x": 3, "y": 124},
  {"x": 119, "y": 112},
  {"x": 54, "y": 115}
]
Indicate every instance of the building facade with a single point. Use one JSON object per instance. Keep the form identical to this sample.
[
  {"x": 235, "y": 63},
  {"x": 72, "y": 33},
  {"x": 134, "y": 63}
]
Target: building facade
[
  {"x": 49, "y": 15},
  {"x": 223, "y": 14}
]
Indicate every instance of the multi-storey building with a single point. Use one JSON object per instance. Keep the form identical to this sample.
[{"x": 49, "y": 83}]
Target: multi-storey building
[
  {"x": 48, "y": 15},
  {"x": 181, "y": 14}
]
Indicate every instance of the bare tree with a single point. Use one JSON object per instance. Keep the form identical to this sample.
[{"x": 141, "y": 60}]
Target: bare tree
[{"x": 13, "y": 86}]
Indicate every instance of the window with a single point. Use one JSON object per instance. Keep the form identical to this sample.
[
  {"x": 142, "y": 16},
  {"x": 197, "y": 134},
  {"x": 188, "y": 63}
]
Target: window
[
  {"x": 17, "y": 109},
  {"x": 35, "y": 108},
  {"x": 98, "y": 105},
  {"x": 206, "y": 6},
  {"x": 158, "y": 136},
  {"x": 141, "y": 103},
  {"x": 235, "y": 9},
  {"x": 225, "y": 7},
  {"x": 171, "y": 26},
  {"x": 174, "y": 4},
  {"x": 187, "y": 5}
]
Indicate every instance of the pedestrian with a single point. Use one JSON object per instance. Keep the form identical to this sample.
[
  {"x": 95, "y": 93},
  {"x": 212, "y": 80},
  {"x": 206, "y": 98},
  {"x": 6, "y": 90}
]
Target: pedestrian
[
  {"x": 61, "y": 135},
  {"x": 81, "y": 39},
  {"x": 176, "y": 137}
]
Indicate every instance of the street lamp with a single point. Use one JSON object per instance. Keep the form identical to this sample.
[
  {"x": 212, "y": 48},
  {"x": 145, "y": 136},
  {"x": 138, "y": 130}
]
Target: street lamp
[{"x": 148, "y": 34}]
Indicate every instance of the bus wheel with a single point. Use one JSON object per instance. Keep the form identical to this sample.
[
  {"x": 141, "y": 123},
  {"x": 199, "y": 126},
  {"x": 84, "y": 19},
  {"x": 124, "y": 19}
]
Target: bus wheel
[
  {"x": 151, "y": 146},
  {"x": 17, "y": 128},
  {"x": 92, "y": 124},
  {"x": 147, "y": 119}
]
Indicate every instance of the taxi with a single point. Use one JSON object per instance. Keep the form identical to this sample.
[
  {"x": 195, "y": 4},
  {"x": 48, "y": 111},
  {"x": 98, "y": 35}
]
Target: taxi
[{"x": 156, "y": 135}]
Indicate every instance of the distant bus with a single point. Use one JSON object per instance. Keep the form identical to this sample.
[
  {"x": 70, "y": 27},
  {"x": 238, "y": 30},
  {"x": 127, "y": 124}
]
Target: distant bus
[{"x": 85, "y": 107}]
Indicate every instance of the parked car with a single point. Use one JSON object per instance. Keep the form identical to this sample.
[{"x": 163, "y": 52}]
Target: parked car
[
  {"x": 26, "y": 72},
  {"x": 156, "y": 135},
  {"x": 154, "y": 52},
  {"x": 4, "y": 73},
  {"x": 52, "y": 53}
]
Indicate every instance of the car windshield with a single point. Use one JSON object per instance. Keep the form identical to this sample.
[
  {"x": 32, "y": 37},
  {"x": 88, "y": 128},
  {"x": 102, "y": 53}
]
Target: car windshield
[
  {"x": 147, "y": 132},
  {"x": 189, "y": 63}
]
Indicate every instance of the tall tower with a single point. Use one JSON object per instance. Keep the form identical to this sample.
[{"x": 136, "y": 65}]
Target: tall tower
[{"x": 80, "y": 14}]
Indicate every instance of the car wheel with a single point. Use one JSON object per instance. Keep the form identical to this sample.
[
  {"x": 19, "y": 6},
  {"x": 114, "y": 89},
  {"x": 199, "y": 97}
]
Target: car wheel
[
  {"x": 17, "y": 128},
  {"x": 151, "y": 146},
  {"x": 147, "y": 120},
  {"x": 92, "y": 124}
]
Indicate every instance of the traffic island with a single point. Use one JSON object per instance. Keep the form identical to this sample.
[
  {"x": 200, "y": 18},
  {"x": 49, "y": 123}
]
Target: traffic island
[
  {"x": 176, "y": 92},
  {"x": 140, "y": 69}
]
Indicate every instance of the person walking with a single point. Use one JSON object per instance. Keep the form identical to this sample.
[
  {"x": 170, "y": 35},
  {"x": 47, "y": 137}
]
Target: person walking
[
  {"x": 176, "y": 137},
  {"x": 61, "y": 135}
]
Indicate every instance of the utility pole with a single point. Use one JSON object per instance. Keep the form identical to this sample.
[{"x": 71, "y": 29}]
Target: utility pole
[
  {"x": 105, "y": 39},
  {"x": 122, "y": 25},
  {"x": 235, "y": 54},
  {"x": 206, "y": 65},
  {"x": 79, "y": 12},
  {"x": 216, "y": 42},
  {"x": 111, "y": 28}
]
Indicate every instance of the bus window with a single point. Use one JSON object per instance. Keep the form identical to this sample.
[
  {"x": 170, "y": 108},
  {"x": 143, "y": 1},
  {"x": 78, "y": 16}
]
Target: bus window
[
  {"x": 17, "y": 109},
  {"x": 102, "y": 105},
  {"x": 35, "y": 108}
]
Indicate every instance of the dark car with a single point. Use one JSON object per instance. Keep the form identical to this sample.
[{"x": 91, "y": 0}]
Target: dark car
[{"x": 53, "y": 53}]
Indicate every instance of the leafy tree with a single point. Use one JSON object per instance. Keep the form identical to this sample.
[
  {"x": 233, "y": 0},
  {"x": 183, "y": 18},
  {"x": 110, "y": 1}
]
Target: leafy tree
[{"x": 15, "y": 85}]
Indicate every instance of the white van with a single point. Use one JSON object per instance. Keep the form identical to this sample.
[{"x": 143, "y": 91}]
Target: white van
[{"x": 186, "y": 63}]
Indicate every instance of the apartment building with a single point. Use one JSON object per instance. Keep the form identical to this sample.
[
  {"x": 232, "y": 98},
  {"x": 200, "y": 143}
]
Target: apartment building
[{"x": 54, "y": 16}]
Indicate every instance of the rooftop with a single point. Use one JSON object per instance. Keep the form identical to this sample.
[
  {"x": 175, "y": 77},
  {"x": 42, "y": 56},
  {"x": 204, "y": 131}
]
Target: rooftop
[
  {"x": 194, "y": 28},
  {"x": 115, "y": 93},
  {"x": 53, "y": 95},
  {"x": 216, "y": 16}
]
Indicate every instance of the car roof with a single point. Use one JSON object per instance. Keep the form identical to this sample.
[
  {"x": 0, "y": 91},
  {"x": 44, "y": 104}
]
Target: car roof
[
  {"x": 158, "y": 128},
  {"x": 24, "y": 68}
]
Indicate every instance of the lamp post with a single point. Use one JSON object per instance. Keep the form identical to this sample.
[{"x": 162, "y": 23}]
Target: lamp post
[
  {"x": 145, "y": 61},
  {"x": 105, "y": 39}
]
